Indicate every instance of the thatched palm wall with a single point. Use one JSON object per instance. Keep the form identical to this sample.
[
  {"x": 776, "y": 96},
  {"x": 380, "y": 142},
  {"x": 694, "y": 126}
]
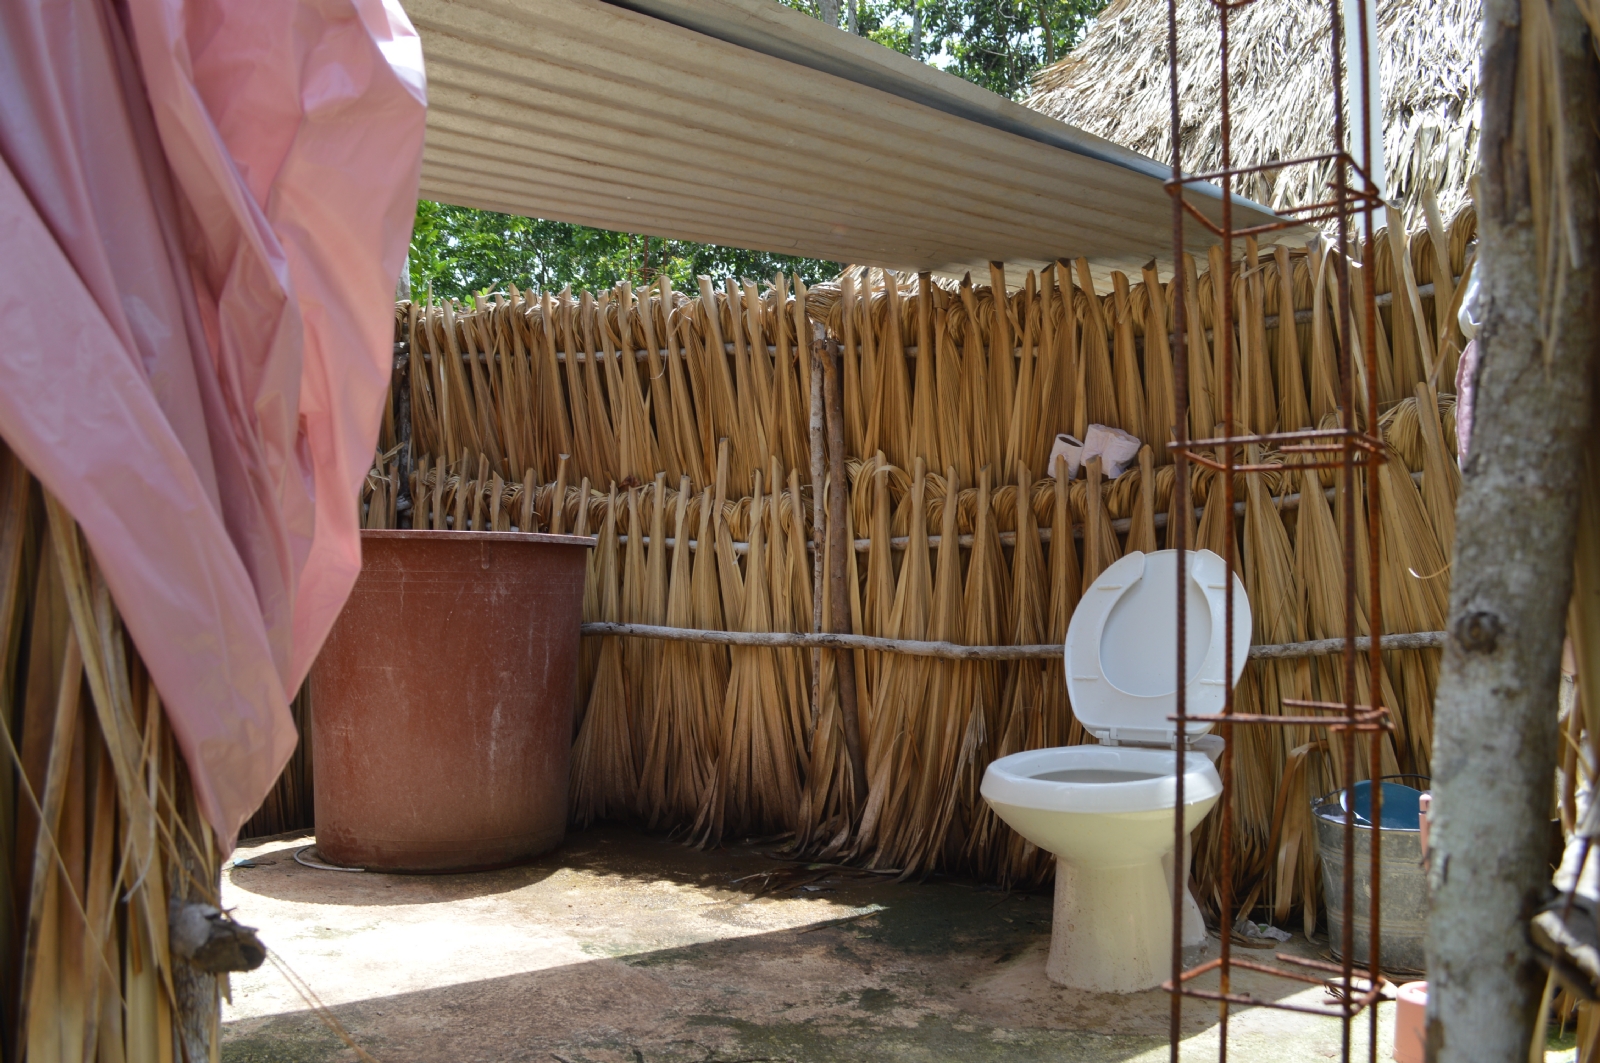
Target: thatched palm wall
[
  {"x": 683, "y": 422},
  {"x": 99, "y": 829}
]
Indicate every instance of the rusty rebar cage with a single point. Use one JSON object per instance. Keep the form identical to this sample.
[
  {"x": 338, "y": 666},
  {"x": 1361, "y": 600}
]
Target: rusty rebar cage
[{"x": 1352, "y": 445}]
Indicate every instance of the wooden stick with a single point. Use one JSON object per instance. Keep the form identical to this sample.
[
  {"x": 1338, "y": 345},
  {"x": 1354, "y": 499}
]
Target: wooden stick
[
  {"x": 819, "y": 342},
  {"x": 838, "y": 502},
  {"x": 1418, "y": 640},
  {"x": 1421, "y": 640},
  {"x": 402, "y": 430}
]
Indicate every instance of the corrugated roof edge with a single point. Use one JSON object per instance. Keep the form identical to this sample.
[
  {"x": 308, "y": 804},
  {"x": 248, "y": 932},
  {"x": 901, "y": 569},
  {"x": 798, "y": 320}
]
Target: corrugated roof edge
[{"x": 781, "y": 32}]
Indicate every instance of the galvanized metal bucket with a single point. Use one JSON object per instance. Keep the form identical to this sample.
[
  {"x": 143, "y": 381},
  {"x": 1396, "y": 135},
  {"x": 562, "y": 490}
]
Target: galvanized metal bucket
[{"x": 1403, "y": 893}]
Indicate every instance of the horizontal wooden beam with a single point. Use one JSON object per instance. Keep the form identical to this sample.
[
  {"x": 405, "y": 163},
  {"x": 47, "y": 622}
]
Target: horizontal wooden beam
[{"x": 1422, "y": 640}]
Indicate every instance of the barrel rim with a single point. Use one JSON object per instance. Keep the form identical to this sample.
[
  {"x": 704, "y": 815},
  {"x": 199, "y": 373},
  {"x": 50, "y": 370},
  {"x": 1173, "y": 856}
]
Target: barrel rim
[{"x": 440, "y": 535}]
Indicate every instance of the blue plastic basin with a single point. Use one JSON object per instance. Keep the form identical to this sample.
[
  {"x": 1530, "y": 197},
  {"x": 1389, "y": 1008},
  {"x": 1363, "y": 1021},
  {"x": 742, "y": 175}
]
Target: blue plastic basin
[{"x": 1401, "y": 809}]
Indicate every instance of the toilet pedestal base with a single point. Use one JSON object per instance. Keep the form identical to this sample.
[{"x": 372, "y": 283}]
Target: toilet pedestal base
[
  {"x": 1194, "y": 924},
  {"x": 1112, "y": 931}
]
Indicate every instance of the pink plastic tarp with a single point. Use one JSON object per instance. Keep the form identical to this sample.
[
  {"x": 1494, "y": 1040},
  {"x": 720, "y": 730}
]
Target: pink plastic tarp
[{"x": 204, "y": 205}]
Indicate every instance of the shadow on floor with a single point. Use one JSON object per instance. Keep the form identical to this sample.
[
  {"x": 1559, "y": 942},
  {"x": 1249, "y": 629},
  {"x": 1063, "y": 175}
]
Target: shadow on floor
[
  {"x": 608, "y": 851},
  {"x": 622, "y": 947}
]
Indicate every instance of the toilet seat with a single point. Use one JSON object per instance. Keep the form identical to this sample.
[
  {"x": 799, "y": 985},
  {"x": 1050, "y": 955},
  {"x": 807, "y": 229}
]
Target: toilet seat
[
  {"x": 1122, "y": 642},
  {"x": 1023, "y": 779}
]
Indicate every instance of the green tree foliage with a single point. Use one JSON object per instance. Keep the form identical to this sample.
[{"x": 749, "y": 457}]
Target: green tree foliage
[
  {"x": 462, "y": 252},
  {"x": 998, "y": 44}
]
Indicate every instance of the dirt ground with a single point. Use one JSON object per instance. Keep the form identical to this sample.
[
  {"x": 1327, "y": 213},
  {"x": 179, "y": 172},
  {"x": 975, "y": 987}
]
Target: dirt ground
[{"x": 626, "y": 948}]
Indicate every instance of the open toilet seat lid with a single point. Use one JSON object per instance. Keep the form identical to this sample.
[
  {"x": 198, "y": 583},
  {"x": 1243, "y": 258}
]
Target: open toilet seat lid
[{"x": 1121, "y": 649}]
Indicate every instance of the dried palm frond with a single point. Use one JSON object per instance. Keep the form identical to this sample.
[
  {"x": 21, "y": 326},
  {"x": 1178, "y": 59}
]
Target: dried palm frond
[
  {"x": 1412, "y": 344},
  {"x": 548, "y": 420},
  {"x": 751, "y": 441},
  {"x": 604, "y": 398},
  {"x": 585, "y": 448},
  {"x": 1224, "y": 342},
  {"x": 1356, "y": 340},
  {"x": 638, "y": 456},
  {"x": 1160, "y": 399},
  {"x": 889, "y": 416},
  {"x": 1025, "y": 721},
  {"x": 955, "y": 429},
  {"x": 1296, "y": 875},
  {"x": 1125, "y": 362},
  {"x": 892, "y": 743},
  {"x": 1259, "y": 407},
  {"x": 790, "y": 438},
  {"x": 1293, "y": 410},
  {"x": 1205, "y": 400},
  {"x": 878, "y": 602},
  {"x": 673, "y": 778},
  {"x": 934, "y": 729},
  {"x": 1021, "y": 429},
  {"x": 100, "y": 822},
  {"x": 1319, "y": 565},
  {"x": 1413, "y": 581},
  {"x": 1441, "y": 476},
  {"x": 985, "y": 614},
  {"x": 1324, "y": 361},
  {"x": 1277, "y": 607},
  {"x": 649, "y": 603},
  {"x": 926, "y": 429},
  {"x": 1098, "y": 400},
  {"x": 1053, "y": 373},
  {"x": 683, "y": 416},
  {"x": 790, "y": 612},
  {"x": 511, "y": 380},
  {"x": 1100, "y": 549},
  {"x": 756, "y": 786},
  {"x": 455, "y": 370},
  {"x": 718, "y": 405},
  {"x": 604, "y": 768},
  {"x": 710, "y": 663},
  {"x": 1216, "y": 531},
  {"x": 978, "y": 393},
  {"x": 1142, "y": 527}
]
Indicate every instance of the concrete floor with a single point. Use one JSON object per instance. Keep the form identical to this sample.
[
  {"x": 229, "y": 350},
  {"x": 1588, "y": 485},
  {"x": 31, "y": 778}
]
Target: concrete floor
[{"x": 625, "y": 948}]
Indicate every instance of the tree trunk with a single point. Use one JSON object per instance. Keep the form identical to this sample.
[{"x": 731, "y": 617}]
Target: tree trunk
[
  {"x": 830, "y": 11},
  {"x": 1511, "y": 576}
]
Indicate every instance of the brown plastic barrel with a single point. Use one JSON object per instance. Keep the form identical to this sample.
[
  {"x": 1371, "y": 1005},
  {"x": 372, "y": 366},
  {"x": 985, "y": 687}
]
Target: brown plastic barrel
[{"x": 442, "y": 701}]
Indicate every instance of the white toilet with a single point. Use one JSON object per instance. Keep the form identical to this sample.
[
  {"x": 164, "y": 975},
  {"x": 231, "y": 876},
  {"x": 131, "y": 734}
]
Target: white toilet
[{"x": 1106, "y": 811}]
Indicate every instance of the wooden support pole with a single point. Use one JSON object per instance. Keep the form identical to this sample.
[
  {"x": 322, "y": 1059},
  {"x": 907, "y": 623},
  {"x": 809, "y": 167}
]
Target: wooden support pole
[
  {"x": 1495, "y": 734},
  {"x": 1421, "y": 640},
  {"x": 838, "y": 562},
  {"x": 819, "y": 351},
  {"x": 402, "y": 431}
]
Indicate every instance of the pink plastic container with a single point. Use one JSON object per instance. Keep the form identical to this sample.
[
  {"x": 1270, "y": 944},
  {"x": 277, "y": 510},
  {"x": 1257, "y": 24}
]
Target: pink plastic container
[{"x": 1410, "y": 1026}]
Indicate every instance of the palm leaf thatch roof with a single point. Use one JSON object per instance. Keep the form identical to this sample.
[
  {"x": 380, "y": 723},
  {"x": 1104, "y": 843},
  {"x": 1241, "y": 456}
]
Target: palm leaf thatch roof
[{"x": 1115, "y": 84}]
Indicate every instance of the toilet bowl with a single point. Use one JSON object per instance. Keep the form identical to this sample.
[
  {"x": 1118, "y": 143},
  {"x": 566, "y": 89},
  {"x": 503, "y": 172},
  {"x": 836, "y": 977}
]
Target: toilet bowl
[{"x": 1106, "y": 811}]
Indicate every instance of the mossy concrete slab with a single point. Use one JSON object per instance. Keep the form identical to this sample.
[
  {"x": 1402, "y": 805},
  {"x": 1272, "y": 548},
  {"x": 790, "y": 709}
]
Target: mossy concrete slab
[{"x": 622, "y": 947}]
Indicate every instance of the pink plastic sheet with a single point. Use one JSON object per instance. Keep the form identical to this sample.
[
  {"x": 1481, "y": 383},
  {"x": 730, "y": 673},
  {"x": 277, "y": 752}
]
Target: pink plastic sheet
[{"x": 204, "y": 205}]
